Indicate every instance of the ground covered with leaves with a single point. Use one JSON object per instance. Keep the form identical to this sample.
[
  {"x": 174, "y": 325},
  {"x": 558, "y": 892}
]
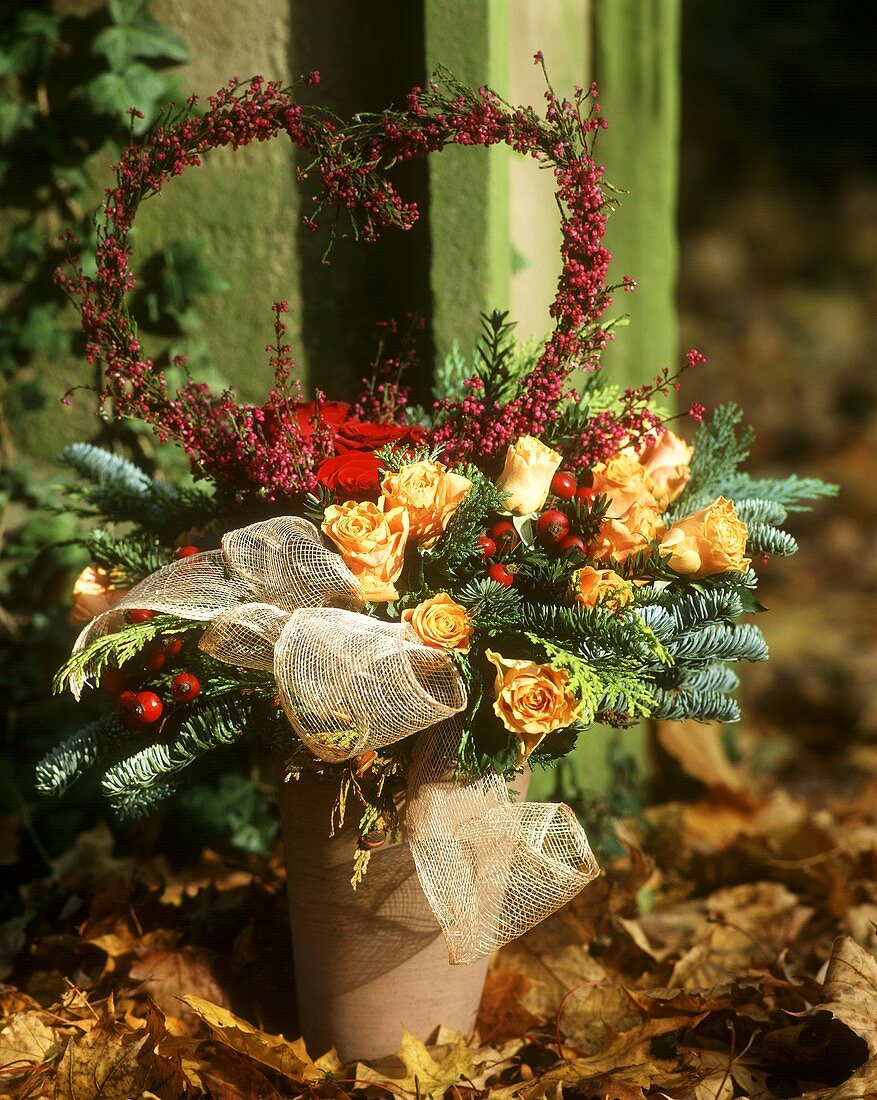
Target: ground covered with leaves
[{"x": 727, "y": 952}]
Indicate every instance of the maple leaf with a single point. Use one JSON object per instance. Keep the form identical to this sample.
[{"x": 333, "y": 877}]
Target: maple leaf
[
  {"x": 420, "y": 1070},
  {"x": 27, "y": 1040},
  {"x": 501, "y": 1014},
  {"x": 289, "y": 1058}
]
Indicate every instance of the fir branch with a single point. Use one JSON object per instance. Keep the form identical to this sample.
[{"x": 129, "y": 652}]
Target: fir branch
[
  {"x": 692, "y": 609},
  {"x": 130, "y": 558},
  {"x": 69, "y": 760},
  {"x": 204, "y": 728},
  {"x": 592, "y": 632},
  {"x": 756, "y": 510},
  {"x": 121, "y": 492},
  {"x": 118, "y": 647},
  {"x": 763, "y": 539},
  {"x": 795, "y": 494},
  {"x": 702, "y": 706},
  {"x": 491, "y": 605},
  {"x": 697, "y": 676},
  {"x": 102, "y": 467},
  {"x": 721, "y": 642},
  {"x": 718, "y": 451}
]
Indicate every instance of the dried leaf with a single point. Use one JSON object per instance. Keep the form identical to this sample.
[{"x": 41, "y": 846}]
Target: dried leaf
[
  {"x": 27, "y": 1040},
  {"x": 289, "y": 1058},
  {"x": 862, "y": 1085},
  {"x": 168, "y": 975},
  {"x": 850, "y": 989},
  {"x": 749, "y": 927},
  {"x": 421, "y": 1070},
  {"x": 646, "y": 1056},
  {"x": 501, "y": 1015},
  {"x": 103, "y": 1065},
  {"x": 699, "y": 749}
]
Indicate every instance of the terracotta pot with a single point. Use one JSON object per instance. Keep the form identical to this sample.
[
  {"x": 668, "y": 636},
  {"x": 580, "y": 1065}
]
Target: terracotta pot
[{"x": 368, "y": 961}]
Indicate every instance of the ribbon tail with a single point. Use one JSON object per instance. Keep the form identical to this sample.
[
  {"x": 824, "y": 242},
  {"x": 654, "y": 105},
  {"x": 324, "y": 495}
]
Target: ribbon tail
[{"x": 490, "y": 868}]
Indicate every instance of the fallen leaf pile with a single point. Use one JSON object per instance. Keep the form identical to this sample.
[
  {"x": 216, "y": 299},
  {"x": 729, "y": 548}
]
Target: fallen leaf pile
[{"x": 729, "y": 952}]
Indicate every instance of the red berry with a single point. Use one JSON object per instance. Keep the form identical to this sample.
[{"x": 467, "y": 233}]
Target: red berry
[
  {"x": 585, "y": 494},
  {"x": 185, "y": 687},
  {"x": 127, "y": 701},
  {"x": 112, "y": 681},
  {"x": 563, "y": 485},
  {"x": 552, "y": 527},
  {"x": 185, "y": 552},
  {"x": 505, "y": 535},
  {"x": 499, "y": 573},
  {"x": 153, "y": 660},
  {"x": 171, "y": 646},
  {"x": 486, "y": 545},
  {"x": 148, "y": 707},
  {"x": 572, "y": 542},
  {"x": 138, "y": 615}
]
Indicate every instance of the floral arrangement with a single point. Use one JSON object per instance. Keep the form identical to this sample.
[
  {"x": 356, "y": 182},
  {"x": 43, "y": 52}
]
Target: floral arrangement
[{"x": 407, "y": 599}]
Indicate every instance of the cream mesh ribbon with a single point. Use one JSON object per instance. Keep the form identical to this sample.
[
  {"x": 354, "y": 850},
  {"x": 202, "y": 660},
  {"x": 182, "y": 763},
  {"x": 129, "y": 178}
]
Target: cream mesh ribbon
[{"x": 275, "y": 598}]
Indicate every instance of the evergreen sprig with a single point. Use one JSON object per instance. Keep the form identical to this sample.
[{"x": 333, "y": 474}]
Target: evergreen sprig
[
  {"x": 67, "y": 761},
  {"x": 702, "y": 706},
  {"x": 719, "y": 449},
  {"x": 114, "y": 649},
  {"x": 122, "y": 493},
  {"x": 721, "y": 642},
  {"x": 131, "y": 557},
  {"x": 762, "y": 538},
  {"x": 458, "y": 544},
  {"x": 220, "y": 722}
]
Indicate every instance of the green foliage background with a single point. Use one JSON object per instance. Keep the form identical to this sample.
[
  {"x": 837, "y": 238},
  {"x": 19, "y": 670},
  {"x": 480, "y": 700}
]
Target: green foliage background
[{"x": 65, "y": 85}]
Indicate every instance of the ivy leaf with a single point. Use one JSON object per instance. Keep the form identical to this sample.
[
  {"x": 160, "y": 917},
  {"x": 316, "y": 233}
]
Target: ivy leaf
[
  {"x": 183, "y": 274},
  {"x": 29, "y": 45},
  {"x": 41, "y": 333},
  {"x": 126, "y": 42},
  {"x": 14, "y": 117},
  {"x": 137, "y": 86}
]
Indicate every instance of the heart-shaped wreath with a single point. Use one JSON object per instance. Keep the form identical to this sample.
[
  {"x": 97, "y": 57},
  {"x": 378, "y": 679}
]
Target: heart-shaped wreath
[{"x": 239, "y": 446}]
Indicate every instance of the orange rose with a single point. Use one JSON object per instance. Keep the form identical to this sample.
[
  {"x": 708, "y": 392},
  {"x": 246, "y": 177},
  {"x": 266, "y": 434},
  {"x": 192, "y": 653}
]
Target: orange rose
[
  {"x": 371, "y": 541},
  {"x": 619, "y": 538},
  {"x": 604, "y": 586},
  {"x": 440, "y": 622},
  {"x": 93, "y": 593},
  {"x": 429, "y": 494},
  {"x": 712, "y": 540},
  {"x": 527, "y": 473},
  {"x": 623, "y": 479},
  {"x": 531, "y": 700},
  {"x": 667, "y": 462}
]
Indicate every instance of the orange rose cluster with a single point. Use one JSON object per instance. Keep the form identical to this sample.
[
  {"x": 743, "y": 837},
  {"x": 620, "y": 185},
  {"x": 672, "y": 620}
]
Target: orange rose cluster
[{"x": 415, "y": 505}]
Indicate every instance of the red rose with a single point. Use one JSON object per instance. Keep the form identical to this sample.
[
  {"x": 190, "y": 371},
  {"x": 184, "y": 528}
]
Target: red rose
[
  {"x": 332, "y": 414},
  {"x": 360, "y": 435},
  {"x": 352, "y": 474},
  {"x": 300, "y": 415}
]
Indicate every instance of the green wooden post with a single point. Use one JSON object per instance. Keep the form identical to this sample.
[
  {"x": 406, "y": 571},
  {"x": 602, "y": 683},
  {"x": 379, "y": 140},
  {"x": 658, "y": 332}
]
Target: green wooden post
[
  {"x": 634, "y": 59},
  {"x": 468, "y": 188},
  {"x": 636, "y": 66}
]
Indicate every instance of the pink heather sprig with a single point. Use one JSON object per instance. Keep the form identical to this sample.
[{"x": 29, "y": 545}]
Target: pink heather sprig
[{"x": 383, "y": 398}]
